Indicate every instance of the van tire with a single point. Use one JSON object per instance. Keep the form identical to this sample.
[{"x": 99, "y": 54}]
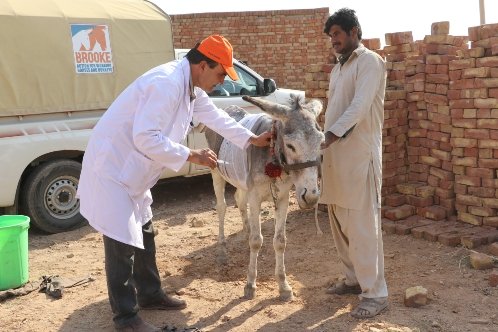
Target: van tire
[{"x": 49, "y": 196}]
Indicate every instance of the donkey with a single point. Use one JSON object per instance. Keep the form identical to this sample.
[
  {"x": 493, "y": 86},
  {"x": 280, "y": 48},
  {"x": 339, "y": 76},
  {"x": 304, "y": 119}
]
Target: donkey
[{"x": 261, "y": 174}]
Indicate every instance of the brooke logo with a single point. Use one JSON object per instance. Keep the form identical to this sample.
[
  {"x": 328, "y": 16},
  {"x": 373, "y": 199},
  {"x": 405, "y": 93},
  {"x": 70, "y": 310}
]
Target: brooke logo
[{"x": 91, "y": 48}]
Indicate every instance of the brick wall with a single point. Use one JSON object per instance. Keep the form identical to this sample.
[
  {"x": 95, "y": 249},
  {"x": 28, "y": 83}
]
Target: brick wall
[{"x": 279, "y": 44}]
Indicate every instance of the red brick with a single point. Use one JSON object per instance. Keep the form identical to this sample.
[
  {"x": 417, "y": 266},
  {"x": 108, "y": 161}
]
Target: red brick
[
  {"x": 476, "y": 72},
  {"x": 453, "y": 236},
  {"x": 465, "y": 123},
  {"x": 398, "y": 38},
  {"x": 442, "y": 69},
  {"x": 420, "y": 201},
  {"x": 488, "y": 144},
  {"x": 371, "y": 44},
  {"x": 470, "y": 152},
  {"x": 464, "y": 142},
  {"x": 433, "y": 181},
  {"x": 470, "y": 218},
  {"x": 462, "y": 64},
  {"x": 465, "y": 161},
  {"x": 461, "y": 103},
  {"x": 437, "y": 78},
  {"x": 484, "y": 236},
  {"x": 439, "y": 118},
  {"x": 487, "y": 62},
  {"x": 481, "y": 192},
  {"x": 415, "y": 96},
  {"x": 490, "y": 221},
  {"x": 460, "y": 189},
  {"x": 395, "y": 200},
  {"x": 442, "y": 174},
  {"x": 493, "y": 93},
  {"x": 476, "y": 133},
  {"x": 487, "y": 124},
  {"x": 455, "y": 75},
  {"x": 490, "y": 183},
  {"x": 432, "y": 212},
  {"x": 439, "y": 59},
  {"x": 401, "y": 212},
  {"x": 473, "y": 93},
  {"x": 428, "y": 160},
  {"x": 404, "y": 227},
  {"x": 485, "y": 83},
  {"x": 432, "y": 231},
  {"x": 481, "y": 211},
  {"x": 472, "y": 181},
  {"x": 447, "y": 184},
  {"x": 486, "y": 103},
  {"x": 454, "y": 94}
]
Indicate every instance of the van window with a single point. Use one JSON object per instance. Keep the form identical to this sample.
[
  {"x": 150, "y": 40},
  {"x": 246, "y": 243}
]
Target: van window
[{"x": 246, "y": 85}]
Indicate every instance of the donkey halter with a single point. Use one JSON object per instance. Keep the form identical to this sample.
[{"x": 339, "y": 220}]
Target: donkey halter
[{"x": 281, "y": 161}]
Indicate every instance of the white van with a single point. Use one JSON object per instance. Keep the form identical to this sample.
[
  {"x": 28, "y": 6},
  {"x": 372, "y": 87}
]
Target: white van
[{"x": 58, "y": 78}]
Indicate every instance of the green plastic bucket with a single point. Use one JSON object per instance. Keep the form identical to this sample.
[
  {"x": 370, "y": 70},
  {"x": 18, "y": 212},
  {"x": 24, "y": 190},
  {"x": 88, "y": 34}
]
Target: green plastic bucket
[{"x": 13, "y": 251}]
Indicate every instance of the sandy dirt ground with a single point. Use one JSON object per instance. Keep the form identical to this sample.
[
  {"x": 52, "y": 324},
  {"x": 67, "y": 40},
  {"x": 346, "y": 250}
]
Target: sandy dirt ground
[{"x": 460, "y": 297}]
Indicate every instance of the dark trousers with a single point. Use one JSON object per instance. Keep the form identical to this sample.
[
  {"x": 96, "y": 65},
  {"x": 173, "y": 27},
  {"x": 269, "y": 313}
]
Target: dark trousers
[{"x": 132, "y": 276}]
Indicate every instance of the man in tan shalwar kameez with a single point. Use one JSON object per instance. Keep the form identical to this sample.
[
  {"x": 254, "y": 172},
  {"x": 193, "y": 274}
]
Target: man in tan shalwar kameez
[{"x": 352, "y": 163}]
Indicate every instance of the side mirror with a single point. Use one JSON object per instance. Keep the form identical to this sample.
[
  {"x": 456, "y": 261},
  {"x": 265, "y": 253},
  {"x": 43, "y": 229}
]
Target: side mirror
[{"x": 269, "y": 86}]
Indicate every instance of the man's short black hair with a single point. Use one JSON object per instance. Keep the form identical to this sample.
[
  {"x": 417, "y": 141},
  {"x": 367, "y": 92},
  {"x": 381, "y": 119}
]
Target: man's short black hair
[
  {"x": 345, "y": 18},
  {"x": 195, "y": 57}
]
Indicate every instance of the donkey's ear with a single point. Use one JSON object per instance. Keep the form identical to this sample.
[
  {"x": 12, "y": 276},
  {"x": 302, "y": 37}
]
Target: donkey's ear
[
  {"x": 314, "y": 106},
  {"x": 275, "y": 110}
]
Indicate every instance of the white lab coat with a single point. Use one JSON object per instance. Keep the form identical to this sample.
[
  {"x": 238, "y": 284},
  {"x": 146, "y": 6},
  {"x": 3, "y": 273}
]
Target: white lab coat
[{"x": 136, "y": 138}]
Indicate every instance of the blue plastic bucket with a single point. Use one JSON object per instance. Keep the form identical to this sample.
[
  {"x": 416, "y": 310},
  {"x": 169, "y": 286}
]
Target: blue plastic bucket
[{"x": 13, "y": 251}]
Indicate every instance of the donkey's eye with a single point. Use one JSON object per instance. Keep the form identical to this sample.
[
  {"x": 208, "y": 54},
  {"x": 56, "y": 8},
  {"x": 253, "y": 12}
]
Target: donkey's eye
[{"x": 289, "y": 146}]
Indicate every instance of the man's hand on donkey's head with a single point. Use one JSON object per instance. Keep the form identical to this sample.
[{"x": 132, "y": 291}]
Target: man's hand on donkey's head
[{"x": 261, "y": 140}]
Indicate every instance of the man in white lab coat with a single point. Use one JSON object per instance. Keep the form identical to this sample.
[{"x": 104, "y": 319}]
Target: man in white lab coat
[
  {"x": 134, "y": 141},
  {"x": 352, "y": 163}
]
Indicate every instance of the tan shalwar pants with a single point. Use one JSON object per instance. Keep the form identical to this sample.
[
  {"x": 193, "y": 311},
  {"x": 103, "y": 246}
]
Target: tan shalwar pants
[{"x": 358, "y": 239}]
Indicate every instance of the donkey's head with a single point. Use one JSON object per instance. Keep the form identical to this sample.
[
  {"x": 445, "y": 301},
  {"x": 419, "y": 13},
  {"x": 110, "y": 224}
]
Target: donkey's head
[{"x": 298, "y": 143}]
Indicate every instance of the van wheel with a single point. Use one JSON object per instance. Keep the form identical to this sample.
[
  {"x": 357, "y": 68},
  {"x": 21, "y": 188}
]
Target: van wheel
[{"x": 49, "y": 196}]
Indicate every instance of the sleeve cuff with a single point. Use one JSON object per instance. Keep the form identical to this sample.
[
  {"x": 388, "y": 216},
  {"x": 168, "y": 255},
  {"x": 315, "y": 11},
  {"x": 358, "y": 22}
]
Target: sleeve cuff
[{"x": 338, "y": 130}]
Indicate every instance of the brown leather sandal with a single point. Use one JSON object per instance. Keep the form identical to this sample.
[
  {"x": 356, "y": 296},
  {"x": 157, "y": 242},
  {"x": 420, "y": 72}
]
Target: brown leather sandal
[{"x": 369, "y": 308}]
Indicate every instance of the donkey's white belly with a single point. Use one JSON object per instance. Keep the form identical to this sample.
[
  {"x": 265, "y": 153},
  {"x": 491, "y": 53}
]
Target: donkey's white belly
[{"x": 236, "y": 168}]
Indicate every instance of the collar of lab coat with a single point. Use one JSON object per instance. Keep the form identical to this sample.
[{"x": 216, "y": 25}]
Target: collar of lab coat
[{"x": 187, "y": 78}]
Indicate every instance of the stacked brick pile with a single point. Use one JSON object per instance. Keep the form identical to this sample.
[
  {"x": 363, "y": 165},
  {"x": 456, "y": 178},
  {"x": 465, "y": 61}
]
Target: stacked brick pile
[
  {"x": 399, "y": 46},
  {"x": 394, "y": 158},
  {"x": 440, "y": 48},
  {"x": 473, "y": 99}
]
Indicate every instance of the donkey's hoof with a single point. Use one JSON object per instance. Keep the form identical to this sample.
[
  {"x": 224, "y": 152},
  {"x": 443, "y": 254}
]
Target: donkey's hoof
[
  {"x": 221, "y": 255},
  {"x": 286, "y": 295},
  {"x": 249, "y": 292}
]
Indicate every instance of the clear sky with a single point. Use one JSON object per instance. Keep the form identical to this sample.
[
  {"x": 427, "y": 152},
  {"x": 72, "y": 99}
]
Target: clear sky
[{"x": 377, "y": 17}]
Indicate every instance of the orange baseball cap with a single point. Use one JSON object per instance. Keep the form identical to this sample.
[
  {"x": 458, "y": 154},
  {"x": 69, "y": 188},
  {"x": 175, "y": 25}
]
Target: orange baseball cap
[{"x": 218, "y": 49}]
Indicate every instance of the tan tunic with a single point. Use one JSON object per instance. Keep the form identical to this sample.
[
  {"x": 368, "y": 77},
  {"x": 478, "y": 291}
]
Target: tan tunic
[{"x": 356, "y": 96}]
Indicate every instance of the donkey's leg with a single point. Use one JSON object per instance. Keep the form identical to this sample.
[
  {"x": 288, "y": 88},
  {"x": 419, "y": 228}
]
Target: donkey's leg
[
  {"x": 221, "y": 207},
  {"x": 255, "y": 242},
  {"x": 241, "y": 199},
  {"x": 279, "y": 243}
]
